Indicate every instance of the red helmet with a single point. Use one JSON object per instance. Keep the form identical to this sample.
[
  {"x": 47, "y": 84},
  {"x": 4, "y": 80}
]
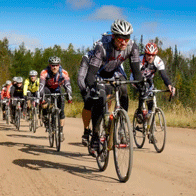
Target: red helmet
[{"x": 151, "y": 48}]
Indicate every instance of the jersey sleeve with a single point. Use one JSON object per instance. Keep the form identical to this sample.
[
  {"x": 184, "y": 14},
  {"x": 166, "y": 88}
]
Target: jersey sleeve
[
  {"x": 25, "y": 88},
  {"x": 95, "y": 63},
  {"x": 135, "y": 63},
  {"x": 159, "y": 64},
  {"x": 42, "y": 81},
  {"x": 82, "y": 73},
  {"x": 67, "y": 83}
]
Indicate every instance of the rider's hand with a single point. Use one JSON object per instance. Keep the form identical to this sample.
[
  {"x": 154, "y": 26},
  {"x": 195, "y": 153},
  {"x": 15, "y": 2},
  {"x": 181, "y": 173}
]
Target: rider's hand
[
  {"x": 69, "y": 101},
  {"x": 172, "y": 89},
  {"x": 94, "y": 93}
]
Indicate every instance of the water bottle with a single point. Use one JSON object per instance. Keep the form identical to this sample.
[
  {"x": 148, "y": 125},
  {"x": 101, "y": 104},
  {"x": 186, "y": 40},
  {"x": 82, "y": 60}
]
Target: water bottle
[
  {"x": 144, "y": 112},
  {"x": 106, "y": 118}
]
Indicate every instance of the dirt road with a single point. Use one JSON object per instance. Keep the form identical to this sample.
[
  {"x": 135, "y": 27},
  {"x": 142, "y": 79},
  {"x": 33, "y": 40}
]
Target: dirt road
[{"x": 29, "y": 167}]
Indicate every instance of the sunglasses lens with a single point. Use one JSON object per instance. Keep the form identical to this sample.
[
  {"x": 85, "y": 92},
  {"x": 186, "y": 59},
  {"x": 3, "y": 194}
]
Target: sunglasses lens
[{"x": 121, "y": 40}]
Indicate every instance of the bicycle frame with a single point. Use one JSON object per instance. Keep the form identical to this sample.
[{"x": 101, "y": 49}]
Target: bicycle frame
[
  {"x": 154, "y": 99},
  {"x": 116, "y": 84}
]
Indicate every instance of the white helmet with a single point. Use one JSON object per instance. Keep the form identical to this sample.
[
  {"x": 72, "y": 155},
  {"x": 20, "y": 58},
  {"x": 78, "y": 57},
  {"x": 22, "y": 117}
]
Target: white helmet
[
  {"x": 121, "y": 27},
  {"x": 54, "y": 60},
  {"x": 33, "y": 73},
  {"x": 8, "y": 82},
  {"x": 19, "y": 79},
  {"x": 14, "y": 79}
]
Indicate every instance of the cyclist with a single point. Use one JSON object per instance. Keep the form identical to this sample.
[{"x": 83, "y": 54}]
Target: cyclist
[
  {"x": 105, "y": 63},
  {"x": 84, "y": 89},
  {"x": 5, "y": 94},
  {"x": 16, "y": 92},
  {"x": 51, "y": 80},
  {"x": 150, "y": 63},
  {"x": 31, "y": 84}
]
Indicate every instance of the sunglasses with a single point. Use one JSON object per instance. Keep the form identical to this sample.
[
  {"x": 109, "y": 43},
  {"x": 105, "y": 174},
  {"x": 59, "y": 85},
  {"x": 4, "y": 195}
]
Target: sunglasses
[
  {"x": 33, "y": 76},
  {"x": 121, "y": 39},
  {"x": 151, "y": 54},
  {"x": 55, "y": 65}
]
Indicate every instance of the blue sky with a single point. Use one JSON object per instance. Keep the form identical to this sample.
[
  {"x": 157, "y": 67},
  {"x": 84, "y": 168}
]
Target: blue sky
[{"x": 44, "y": 23}]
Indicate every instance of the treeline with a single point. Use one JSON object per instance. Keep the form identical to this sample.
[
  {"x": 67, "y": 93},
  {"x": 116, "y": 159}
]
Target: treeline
[{"x": 181, "y": 70}]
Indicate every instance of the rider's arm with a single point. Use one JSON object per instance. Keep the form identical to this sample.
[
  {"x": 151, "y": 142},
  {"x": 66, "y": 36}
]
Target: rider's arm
[
  {"x": 135, "y": 63},
  {"x": 165, "y": 77},
  {"x": 95, "y": 63},
  {"x": 67, "y": 84},
  {"x": 82, "y": 73},
  {"x": 12, "y": 90},
  {"x": 159, "y": 64},
  {"x": 2, "y": 93},
  {"x": 42, "y": 81},
  {"x": 25, "y": 88}
]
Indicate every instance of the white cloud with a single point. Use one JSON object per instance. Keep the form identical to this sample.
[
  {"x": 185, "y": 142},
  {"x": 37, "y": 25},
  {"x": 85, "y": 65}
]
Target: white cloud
[
  {"x": 148, "y": 29},
  {"x": 80, "y": 4},
  {"x": 108, "y": 12},
  {"x": 16, "y": 39}
]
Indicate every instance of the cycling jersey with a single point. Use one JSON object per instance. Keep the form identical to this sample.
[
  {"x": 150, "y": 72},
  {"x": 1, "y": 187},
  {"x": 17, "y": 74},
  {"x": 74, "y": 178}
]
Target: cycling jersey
[
  {"x": 149, "y": 69},
  {"x": 107, "y": 59},
  {"x": 54, "y": 82},
  {"x": 16, "y": 91},
  {"x": 31, "y": 86}
]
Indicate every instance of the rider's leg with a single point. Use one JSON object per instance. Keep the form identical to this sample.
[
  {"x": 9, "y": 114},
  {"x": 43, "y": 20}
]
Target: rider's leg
[
  {"x": 86, "y": 117},
  {"x": 97, "y": 112},
  {"x": 3, "y": 109},
  {"x": 124, "y": 100},
  {"x": 61, "y": 106}
]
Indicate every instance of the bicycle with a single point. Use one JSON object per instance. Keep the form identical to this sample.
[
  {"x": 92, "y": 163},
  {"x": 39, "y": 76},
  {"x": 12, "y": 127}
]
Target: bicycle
[
  {"x": 33, "y": 114},
  {"x": 17, "y": 111},
  {"x": 115, "y": 133},
  {"x": 154, "y": 127},
  {"x": 40, "y": 116},
  {"x": 6, "y": 102},
  {"x": 53, "y": 128}
]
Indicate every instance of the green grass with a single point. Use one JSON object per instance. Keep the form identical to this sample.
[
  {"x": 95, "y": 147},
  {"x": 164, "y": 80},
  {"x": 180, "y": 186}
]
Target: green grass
[{"x": 176, "y": 115}]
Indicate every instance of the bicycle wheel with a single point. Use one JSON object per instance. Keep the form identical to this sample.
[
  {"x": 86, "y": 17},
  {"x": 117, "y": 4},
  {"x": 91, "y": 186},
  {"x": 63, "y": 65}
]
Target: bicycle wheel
[
  {"x": 103, "y": 152},
  {"x": 50, "y": 131},
  {"x": 17, "y": 119},
  {"x": 159, "y": 130},
  {"x": 123, "y": 145},
  {"x": 139, "y": 133},
  {"x": 57, "y": 130},
  {"x": 34, "y": 119},
  {"x": 8, "y": 115},
  {"x": 41, "y": 118},
  {"x": 30, "y": 120}
]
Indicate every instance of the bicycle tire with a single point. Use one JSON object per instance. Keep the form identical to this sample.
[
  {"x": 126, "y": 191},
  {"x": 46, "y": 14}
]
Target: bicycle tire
[
  {"x": 17, "y": 119},
  {"x": 34, "y": 115},
  {"x": 139, "y": 133},
  {"x": 159, "y": 130},
  {"x": 57, "y": 130},
  {"x": 30, "y": 120},
  {"x": 123, "y": 140},
  {"x": 41, "y": 118},
  {"x": 102, "y": 157},
  {"x": 7, "y": 113},
  {"x": 50, "y": 131}
]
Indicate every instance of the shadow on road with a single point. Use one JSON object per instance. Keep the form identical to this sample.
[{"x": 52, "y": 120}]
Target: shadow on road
[
  {"x": 27, "y": 136},
  {"x": 146, "y": 150},
  {"x": 37, "y": 150},
  {"x": 5, "y": 127},
  {"x": 76, "y": 144},
  {"x": 78, "y": 170}
]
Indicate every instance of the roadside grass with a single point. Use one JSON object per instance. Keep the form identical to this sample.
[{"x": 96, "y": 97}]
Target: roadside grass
[{"x": 176, "y": 115}]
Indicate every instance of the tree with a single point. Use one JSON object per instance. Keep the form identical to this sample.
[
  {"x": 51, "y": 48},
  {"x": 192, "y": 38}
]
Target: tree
[{"x": 141, "y": 46}]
